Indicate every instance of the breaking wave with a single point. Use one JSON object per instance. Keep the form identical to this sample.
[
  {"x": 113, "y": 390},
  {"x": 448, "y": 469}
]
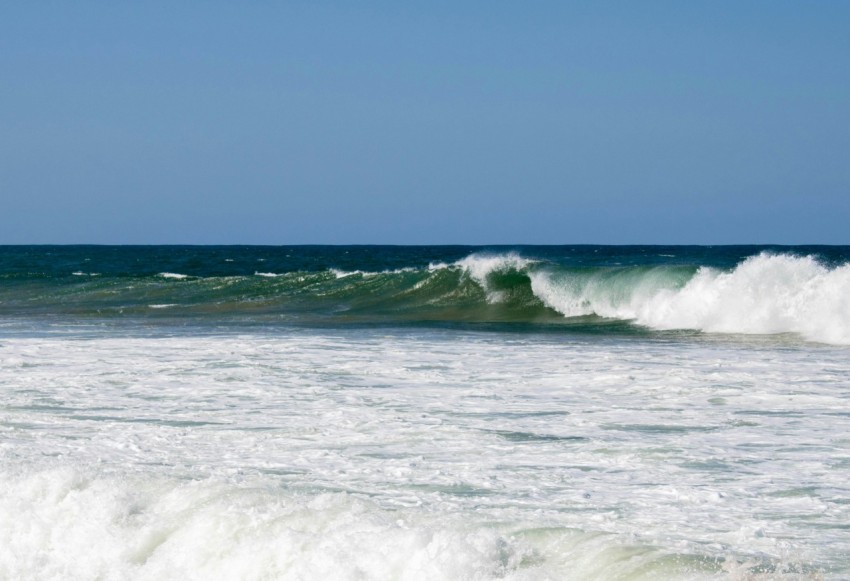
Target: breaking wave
[
  {"x": 768, "y": 293},
  {"x": 765, "y": 294}
]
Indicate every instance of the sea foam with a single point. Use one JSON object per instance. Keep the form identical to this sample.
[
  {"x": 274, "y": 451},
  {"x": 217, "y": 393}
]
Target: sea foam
[
  {"x": 368, "y": 454},
  {"x": 63, "y": 523}
]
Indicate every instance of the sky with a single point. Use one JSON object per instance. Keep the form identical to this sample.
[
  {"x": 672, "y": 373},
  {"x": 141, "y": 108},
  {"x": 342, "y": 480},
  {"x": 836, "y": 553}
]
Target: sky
[{"x": 437, "y": 122}]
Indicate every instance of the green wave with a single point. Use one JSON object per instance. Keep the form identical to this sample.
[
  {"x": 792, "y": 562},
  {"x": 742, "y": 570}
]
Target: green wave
[
  {"x": 635, "y": 289},
  {"x": 497, "y": 289}
]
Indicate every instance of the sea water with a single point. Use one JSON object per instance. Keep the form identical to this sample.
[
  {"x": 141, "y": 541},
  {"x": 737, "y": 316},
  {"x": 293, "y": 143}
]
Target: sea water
[{"x": 424, "y": 413}]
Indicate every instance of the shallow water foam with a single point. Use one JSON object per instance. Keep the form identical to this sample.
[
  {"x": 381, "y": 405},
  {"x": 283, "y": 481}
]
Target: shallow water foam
[{"x": 421, "y": 455}]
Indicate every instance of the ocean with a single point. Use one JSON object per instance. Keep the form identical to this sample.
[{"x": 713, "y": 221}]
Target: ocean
[{"x": 434, "y": 412}]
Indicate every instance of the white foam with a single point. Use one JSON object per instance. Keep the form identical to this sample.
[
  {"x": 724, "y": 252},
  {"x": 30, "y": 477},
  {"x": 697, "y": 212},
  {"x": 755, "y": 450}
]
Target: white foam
[
  {"x": 173, "y": 275},
  {"x": 369, "y": 273},
  {"x": 64, "y": 524},
  {"x": 765, "y": 294},
  {"x": 435, "y": 266},
  {"x": 464, "y": 456},
  {"x": 346, "y": 273},
  {"x": 163, "y": 306},
  {"x": 267, "y": 274}
]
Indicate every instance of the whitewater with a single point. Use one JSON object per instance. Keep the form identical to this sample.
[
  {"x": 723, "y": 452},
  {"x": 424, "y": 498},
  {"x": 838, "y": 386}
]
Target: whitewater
[
  {"x": 765, "y": 294},
  {"x": 424, "y": 413}
]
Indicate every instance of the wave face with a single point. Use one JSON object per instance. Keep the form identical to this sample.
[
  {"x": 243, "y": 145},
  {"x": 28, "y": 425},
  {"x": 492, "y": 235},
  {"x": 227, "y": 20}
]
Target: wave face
[{"x": 736, "y": 290}]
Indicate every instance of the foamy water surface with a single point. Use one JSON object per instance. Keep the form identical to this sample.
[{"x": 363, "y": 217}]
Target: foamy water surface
[{"x": 422, "y": 454}]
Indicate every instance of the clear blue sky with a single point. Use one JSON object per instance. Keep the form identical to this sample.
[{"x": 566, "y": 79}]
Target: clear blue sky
[{"x": 431, "y": 122}]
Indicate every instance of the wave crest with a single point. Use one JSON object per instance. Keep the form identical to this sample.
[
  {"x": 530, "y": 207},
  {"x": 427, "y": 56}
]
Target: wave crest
[
  {"x": 482, "y": 268},
  {"x": 765, "y": 294}
]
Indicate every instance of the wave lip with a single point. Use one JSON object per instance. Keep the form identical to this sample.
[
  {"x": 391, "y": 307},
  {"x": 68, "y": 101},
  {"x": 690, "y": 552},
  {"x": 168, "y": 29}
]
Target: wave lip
[{"x": 482, "y": 267}]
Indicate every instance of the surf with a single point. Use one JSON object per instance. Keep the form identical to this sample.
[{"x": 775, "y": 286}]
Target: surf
[
  {"x": 765, "y": 294},
  {"x": 605, "y": 289}
]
